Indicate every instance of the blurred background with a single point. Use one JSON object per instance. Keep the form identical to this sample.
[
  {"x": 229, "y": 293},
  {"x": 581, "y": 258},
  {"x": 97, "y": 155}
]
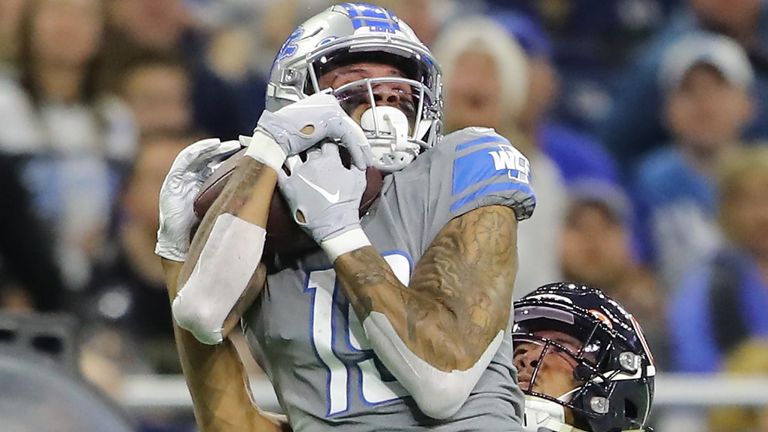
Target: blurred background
[{"x": 645, "y": 121}]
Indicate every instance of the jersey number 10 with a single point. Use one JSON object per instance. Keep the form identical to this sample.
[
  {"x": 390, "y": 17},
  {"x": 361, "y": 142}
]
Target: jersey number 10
[{"x": 344, "y": 349}]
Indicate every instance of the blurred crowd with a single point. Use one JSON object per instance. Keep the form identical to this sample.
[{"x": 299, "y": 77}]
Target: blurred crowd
[{"x": 645, "y": 122}]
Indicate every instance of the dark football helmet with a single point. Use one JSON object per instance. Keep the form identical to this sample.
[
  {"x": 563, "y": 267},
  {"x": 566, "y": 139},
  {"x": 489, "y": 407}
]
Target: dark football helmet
[{"x": 614, "y": 366}]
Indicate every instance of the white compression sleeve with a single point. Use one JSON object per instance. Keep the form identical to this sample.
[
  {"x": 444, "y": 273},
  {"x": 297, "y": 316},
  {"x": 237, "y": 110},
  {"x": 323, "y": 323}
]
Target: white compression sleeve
[
  {"x": 438, "y": 394},
  {"x": 227, "y": 262}
]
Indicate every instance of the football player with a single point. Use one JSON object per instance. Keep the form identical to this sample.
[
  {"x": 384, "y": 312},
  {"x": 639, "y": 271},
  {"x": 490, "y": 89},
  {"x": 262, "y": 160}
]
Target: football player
[
  {"x": 583, "y": 362},
  {"x": 399, "y": 320}
]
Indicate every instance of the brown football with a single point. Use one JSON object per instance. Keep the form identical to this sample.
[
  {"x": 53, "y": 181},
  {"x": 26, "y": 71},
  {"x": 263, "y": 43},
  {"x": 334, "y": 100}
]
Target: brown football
[{"x": 283, "y": 235}]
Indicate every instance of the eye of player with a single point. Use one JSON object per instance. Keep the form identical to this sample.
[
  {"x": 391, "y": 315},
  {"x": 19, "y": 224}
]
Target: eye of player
[
  {"x": 355, "y": 98},
  {"x": 563, "y": 345},
  {"x": 358, "y": 71},
  {"x": 566, "y": 344}
]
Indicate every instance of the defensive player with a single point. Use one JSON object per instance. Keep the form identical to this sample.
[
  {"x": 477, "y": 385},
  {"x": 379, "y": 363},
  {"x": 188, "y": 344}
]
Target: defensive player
[
  {"x": 400, "y": 320},
  {"x": 582, "y": 361}
]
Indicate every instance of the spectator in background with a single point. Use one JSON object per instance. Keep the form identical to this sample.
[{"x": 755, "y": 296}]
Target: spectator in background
[
  {"x": 156, "y": 88},
  {"x": 706, "y": 79},
  {"x": 126, "y": 310},
  {"x": 634, "y": 125},
  {"x": 577, "y": 155},
  {"x": 594, "y": 40},
  {"x": 722, "y": 302},
  {"x": 222, "y": 44},
  {"x": 748, "y": 359},
  {"x": 137, "y": 26},
  {"x": 486, "y": 80},
  {"x": 596, "y": 32},
  {"x": 424, "y": 16},
  {"x": 228, "y": 91},
  {"x": 73, "y": 142},
  {"x": 10, "y": 16},
  {"x": 152, "y": 24},
  {"x": 29, "y": 274},
  {"x": 596, "y": 250}
]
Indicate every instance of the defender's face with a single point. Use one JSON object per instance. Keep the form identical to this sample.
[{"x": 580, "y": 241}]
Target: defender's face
[
  {"x": 356, "y": 100},
  {"x": 555, "y": 369}
]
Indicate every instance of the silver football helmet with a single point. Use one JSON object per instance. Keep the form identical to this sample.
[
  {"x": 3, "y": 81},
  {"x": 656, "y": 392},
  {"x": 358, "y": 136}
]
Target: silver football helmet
[{"x": 357, "y": 32}]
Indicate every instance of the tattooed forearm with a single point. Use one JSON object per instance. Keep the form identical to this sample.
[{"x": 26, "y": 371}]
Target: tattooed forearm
[
  {"x": 460, "y": 295},
  {"x": 214, "y": 374},
  {"x": 216, "y": 377}
]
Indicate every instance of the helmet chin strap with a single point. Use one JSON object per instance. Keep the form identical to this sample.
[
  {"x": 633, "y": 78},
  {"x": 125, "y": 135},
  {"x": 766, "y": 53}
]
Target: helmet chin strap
[
  {"x": 542, "y": 415},
  {"x": 567, "y": 396},
  {"x": 389, "y": 127}
]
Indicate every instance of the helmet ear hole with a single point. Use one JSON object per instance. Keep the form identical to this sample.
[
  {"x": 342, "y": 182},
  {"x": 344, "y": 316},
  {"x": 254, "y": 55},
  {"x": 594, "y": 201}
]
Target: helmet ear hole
[
  {"x": 299, "y": 217},
  {"x": 346, "y": 158},
  {"x": 630, "y": 409},
  {"x": 309, "y": 88},
  {"x": 582, "y": 372}
]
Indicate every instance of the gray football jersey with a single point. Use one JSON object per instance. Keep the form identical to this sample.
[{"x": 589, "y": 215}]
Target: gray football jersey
[{"x": 311, "y": 344}]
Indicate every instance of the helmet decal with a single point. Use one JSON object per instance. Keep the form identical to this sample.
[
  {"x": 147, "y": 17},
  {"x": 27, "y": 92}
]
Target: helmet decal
[
  {"x": 601, "y": 316},
  {"x": 371, "y": 18},
  {"x": 329, "y": 39},
  {"x": 550, "y": 297},
  {"x": 290, "y": 48}
]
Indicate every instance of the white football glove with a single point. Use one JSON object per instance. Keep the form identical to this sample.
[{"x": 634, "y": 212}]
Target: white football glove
[
  {"x": 324, "y": 192},
  {"x": 190, "y": 169},
  {"x": 305, "y": 123}
]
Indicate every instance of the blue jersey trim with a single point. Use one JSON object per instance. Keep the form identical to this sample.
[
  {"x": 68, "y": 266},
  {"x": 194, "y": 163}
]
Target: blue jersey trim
[
  {"x": 477, "y": 167},
  {"x": 487, "y": 190},
  {"x": 482, "y": 140},
  {"x": 374, "y": 17}
]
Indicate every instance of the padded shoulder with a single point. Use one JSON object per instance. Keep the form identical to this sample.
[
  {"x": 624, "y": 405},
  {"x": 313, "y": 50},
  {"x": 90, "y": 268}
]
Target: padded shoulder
[{"x": 482, "y": 168}]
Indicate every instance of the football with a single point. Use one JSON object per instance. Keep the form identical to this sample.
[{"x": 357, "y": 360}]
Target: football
[{"x": 283, "y": 235}]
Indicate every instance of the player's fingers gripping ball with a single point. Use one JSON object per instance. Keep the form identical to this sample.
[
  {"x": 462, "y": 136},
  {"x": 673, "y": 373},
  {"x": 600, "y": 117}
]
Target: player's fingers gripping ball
[
  {"x": 188, "y": 172},
  {"x": 283, "y": 235},
  {"x": 303, "y": 124},
  {"x": 323, "y": 194}
]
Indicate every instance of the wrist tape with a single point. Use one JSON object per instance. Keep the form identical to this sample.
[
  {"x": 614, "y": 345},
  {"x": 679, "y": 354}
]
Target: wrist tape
[
  {"x": 346, "y": 242},
  {"x": 265, "y": 150}
]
